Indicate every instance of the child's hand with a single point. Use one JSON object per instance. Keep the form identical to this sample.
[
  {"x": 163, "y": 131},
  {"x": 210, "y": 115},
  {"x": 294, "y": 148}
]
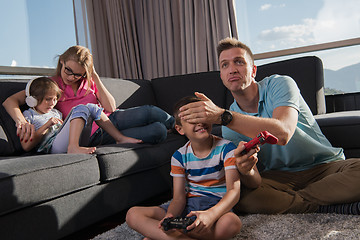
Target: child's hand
[
  {"x": 168, "y": 215},
  {"x": 203, "y": 222},
  {"x": 246, "y": 163},
  {"x": 52, "y": 121}
]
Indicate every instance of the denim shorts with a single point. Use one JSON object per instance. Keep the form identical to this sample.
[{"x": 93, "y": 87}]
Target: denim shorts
[{"x": 195, "y": 204}]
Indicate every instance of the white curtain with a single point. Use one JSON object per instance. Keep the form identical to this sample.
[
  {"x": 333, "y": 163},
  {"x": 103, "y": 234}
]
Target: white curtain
[{"x": 153, "y": 38}]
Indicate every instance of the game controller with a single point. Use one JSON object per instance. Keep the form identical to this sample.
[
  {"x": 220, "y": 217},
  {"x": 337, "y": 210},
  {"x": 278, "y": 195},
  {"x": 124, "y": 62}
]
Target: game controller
[
  {"x": 178, "y": 223},
  {"x": 262, "y": 138}
]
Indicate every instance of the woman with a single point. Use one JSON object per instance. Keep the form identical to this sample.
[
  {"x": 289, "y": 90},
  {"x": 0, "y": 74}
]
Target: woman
[{"x": 148, "y": 123}]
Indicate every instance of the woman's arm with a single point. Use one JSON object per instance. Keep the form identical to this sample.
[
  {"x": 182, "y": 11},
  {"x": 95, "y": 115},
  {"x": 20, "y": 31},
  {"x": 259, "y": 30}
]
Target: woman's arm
[
  {"x": 12, "y": 104},
  {"x": 105, "y": 98}
]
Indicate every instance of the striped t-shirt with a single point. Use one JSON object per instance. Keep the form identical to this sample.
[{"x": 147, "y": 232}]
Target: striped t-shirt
[{"x": 204, "y": 176}]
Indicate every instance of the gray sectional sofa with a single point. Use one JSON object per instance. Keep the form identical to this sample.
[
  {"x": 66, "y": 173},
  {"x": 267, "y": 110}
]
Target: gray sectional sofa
[{"x": 52, "y": 196}]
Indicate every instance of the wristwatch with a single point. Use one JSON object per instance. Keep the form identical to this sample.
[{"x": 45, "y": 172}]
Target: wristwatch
[{"x": 226, "y": 118}]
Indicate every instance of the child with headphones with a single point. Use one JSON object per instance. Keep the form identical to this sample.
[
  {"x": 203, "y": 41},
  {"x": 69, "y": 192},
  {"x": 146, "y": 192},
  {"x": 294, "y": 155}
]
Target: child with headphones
[{"x": 53, "y": 135}]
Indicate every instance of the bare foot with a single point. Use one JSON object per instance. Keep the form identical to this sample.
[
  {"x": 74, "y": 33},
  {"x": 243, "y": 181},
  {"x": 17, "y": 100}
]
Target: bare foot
[
  {"x": 78, "y": 149},
  {"x": 125, "y": 139}
]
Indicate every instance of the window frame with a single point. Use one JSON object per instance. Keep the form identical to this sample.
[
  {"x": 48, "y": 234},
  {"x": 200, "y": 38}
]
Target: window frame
[{"x": 309, "y": 48}]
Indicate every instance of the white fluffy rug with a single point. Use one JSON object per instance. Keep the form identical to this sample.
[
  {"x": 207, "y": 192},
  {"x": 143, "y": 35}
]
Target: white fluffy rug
[{"x": 287, "y": 226}]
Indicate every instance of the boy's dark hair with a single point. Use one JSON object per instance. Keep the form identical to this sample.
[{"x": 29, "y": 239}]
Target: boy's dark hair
[
  {"x": 228, "y": 43},
  {"x": 40, "y": 87},
  {"x": 182, "y": 102}
]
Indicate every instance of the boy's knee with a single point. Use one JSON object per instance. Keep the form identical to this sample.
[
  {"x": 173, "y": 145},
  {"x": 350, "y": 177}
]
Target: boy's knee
[
  {"x": 228, "y": 226},
  {"x": 131, "y": 216},
  {"x": 234, "y": 223}
]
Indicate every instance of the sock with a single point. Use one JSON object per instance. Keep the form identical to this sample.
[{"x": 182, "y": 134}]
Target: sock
[{"x": 345, "y": 208}]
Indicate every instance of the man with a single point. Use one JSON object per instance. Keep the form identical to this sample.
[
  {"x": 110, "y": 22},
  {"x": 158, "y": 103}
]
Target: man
[{"x": 303, "y": 172}]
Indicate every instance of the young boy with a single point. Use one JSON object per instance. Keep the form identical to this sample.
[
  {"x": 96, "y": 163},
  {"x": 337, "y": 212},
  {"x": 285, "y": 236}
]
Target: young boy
[
  {"x": 206, "y": 185},
  {"x": 54, "y": 136}
]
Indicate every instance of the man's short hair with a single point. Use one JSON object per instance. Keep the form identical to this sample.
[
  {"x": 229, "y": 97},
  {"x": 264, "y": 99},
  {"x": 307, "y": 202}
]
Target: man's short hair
[{"x": 228, "y": 43}]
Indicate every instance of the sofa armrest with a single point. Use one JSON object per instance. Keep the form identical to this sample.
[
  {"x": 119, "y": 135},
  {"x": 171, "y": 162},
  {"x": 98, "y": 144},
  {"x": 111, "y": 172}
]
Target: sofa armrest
[
  {"x": 4, "y": 147},
  {"x": 342, "y": 129}
]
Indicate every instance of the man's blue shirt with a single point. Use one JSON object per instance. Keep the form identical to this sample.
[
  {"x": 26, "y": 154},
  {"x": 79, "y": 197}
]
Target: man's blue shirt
[{"x": 307, "y": 147}]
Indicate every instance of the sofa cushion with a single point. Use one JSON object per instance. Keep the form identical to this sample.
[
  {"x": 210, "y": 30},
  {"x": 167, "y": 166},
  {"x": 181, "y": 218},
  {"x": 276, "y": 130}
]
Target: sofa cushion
[
  {"x": 342, "y": 129},
  {"x": 130, "y": 93},
  {"x": 26, "y": 181},
  {"x": 127, "y": 93},
  {"x": 117, "y": 161},
  {"x": 168, "y": 90}
]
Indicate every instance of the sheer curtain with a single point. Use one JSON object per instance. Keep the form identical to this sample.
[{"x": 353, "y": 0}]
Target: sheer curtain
[{"x": 153, "y": 38}]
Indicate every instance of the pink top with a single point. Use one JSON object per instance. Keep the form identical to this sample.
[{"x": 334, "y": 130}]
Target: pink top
[{"x": 68, "y": 99}]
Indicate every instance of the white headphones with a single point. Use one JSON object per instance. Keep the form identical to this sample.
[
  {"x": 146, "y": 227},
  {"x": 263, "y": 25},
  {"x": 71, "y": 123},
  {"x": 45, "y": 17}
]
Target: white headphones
[{"x": 30, "y": 100}]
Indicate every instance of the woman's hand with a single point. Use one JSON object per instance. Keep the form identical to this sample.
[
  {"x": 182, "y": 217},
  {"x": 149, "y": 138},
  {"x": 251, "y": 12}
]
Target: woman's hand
[
  {"x": 95, "y": 75},
  {"x": 25, "y": 131},
  {"x": 105, "y": 98}
]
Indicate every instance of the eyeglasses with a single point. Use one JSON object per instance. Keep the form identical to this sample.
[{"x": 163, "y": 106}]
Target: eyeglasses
[{"x": 69, "y": 72}]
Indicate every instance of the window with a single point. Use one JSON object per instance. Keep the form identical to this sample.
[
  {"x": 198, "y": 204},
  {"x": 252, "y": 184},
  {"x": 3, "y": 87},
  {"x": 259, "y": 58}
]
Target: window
[
  {"x": 277, "y": 26},
  {"x": 35, "y": 32}
]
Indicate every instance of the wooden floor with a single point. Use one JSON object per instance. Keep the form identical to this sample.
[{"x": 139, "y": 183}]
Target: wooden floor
[{"x": 113, "y": 221}]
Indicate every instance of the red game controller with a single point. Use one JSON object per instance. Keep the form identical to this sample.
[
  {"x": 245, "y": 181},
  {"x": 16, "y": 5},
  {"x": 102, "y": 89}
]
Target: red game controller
[{"x": 262, "y": 138}]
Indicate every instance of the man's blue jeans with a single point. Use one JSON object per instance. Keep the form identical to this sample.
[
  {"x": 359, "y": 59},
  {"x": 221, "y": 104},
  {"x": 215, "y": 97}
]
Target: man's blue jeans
[{"x": 148, "y": 123}]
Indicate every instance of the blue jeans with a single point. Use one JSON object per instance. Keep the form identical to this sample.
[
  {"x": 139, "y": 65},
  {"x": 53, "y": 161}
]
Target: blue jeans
[
  {"x": 148, "y": 123},
  {"x": 87, "y": 112},
  {"x": 57, "y": 141}
]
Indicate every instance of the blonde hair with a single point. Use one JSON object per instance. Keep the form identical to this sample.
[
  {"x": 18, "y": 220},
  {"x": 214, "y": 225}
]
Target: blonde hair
[
  {"x": 228, "y": 43},
  {"x": 82, "y": 56}
]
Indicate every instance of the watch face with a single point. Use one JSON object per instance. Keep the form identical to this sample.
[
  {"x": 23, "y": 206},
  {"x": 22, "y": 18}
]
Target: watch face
[{"x": 226, "y": 118}]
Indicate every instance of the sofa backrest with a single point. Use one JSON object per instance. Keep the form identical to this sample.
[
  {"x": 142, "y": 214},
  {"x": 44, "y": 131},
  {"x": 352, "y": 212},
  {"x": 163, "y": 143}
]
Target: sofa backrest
[
  {"x": 130, "y": 93},
  {"x": 168, "y": 90},
  {"x": 308, "y": 75}
]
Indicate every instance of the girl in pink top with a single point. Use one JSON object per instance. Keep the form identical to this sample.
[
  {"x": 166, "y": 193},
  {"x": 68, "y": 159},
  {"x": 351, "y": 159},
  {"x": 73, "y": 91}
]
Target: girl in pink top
[{"x": 147, "y": 123}]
